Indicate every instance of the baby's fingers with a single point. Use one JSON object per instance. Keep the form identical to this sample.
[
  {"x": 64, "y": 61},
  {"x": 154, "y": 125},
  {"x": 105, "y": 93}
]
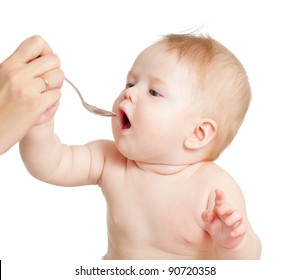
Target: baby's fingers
[
  {"x": 48, "y": 114},
  {"x": 235, "y": 224},
  {"x": 238, "y": 230},
  {"x": 207, "y": 217},
  {"x": 234, "y": 218},
  {"x": 219, "y": 197},
  {"x": 223, "y": 211}
]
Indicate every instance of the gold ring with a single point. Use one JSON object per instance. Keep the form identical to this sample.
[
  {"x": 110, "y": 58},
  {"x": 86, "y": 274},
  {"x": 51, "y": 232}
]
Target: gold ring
[{"x": 46, "y": 82}]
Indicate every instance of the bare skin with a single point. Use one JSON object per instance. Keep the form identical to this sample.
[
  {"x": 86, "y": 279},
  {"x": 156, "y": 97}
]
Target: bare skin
[
  {"x": 24, "y": 99},
  {"x": 165, "y": 201}
]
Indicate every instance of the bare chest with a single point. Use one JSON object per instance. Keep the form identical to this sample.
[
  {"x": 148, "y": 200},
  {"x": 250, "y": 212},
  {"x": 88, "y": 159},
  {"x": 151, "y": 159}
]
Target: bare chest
[{"x": 159, "y": 211}]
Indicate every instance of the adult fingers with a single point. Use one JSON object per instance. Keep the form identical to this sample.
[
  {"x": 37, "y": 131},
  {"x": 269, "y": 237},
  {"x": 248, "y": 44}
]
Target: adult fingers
[
  {"x": 30, "y": 49},
  {"x": 51, "y": 80},
  {"x": 43, "y": 64}
]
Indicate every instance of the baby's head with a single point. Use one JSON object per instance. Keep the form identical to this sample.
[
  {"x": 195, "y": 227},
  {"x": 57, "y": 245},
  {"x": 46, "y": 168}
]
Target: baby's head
[
  {"x": 222, "y": 92},
  {"x": 185, "y": 99}
]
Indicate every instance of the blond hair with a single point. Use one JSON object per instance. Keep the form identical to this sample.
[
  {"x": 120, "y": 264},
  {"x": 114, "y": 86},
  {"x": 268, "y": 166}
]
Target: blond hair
[{"x": 223, "y": 91}]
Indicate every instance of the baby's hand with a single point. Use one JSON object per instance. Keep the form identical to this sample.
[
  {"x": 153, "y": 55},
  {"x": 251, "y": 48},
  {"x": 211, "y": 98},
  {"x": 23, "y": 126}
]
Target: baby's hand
[{"x": 224, "y": 224}]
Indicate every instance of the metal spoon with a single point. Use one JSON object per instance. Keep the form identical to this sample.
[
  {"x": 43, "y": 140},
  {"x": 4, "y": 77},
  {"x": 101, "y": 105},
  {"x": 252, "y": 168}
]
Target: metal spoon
[{"x": 89, "y": 107}]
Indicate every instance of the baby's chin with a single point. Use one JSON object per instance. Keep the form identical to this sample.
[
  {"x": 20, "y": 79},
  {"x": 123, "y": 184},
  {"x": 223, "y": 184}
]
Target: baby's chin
[
  {"x": 125, "y": 152},
  {"x": 141, "y": 157}
]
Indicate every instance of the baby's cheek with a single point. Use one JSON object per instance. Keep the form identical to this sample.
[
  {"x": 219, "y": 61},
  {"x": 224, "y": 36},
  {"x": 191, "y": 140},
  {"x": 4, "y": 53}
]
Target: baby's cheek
[{"x": 116, "y": 103}]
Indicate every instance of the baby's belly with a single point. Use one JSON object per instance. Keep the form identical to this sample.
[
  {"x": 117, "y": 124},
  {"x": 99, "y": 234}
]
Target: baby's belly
[
  {"x": 148, "y": 223},
  {"x": 149, "y": 253},
  {"x": 157, "y": 239}
]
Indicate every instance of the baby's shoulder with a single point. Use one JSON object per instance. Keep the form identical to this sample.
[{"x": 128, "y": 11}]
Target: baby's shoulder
[
  {"x": 213, "y": 176},
  {"x": 107, "y": 152}
]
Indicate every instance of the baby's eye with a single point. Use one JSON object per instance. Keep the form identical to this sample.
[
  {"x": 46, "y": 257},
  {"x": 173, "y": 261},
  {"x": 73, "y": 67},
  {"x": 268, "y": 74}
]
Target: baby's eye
[
  {"x": 154, "y": 93},
  {"x": 129, "y": 85}
]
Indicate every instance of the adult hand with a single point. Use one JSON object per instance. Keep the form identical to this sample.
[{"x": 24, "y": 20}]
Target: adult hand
[{"x": 30, "y": 82}]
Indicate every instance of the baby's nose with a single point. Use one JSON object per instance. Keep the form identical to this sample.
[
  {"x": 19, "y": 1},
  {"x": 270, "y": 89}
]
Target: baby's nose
[{"x": 130, "y": 94}]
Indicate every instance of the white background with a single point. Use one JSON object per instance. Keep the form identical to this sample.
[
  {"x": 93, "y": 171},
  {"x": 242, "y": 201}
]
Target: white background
[{"x": 97, "y": 42}]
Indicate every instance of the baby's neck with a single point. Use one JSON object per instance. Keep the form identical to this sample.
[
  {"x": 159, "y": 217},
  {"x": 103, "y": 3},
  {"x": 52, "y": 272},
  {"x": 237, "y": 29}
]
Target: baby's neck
[{"x": 164, "y": 169}]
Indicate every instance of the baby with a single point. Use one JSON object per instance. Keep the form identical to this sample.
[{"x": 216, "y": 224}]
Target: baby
[{"x": 184, "y": 101}]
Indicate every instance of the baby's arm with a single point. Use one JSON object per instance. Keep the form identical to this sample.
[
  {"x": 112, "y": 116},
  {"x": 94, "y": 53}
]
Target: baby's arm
[
  {"x": 47, "y": 159},
  {"x": 230, "y": 230}
]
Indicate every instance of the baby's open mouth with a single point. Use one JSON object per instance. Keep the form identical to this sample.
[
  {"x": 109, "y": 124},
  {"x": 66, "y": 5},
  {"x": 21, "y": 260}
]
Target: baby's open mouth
[{"x": 125, "y": 122}]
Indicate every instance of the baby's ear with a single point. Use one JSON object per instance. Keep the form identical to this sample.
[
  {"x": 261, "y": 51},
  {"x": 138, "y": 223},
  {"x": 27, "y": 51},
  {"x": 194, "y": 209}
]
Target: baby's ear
[{"x": 202, "y": 134}]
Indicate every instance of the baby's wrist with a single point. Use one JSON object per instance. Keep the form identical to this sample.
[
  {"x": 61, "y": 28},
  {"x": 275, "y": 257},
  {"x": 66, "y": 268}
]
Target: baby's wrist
[{"x": 232, "y": 247}]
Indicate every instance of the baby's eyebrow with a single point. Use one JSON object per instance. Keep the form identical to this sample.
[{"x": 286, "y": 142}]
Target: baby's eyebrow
[
  {"x": 158, "y": 80},
  {"x": 131, "y": 74}
]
